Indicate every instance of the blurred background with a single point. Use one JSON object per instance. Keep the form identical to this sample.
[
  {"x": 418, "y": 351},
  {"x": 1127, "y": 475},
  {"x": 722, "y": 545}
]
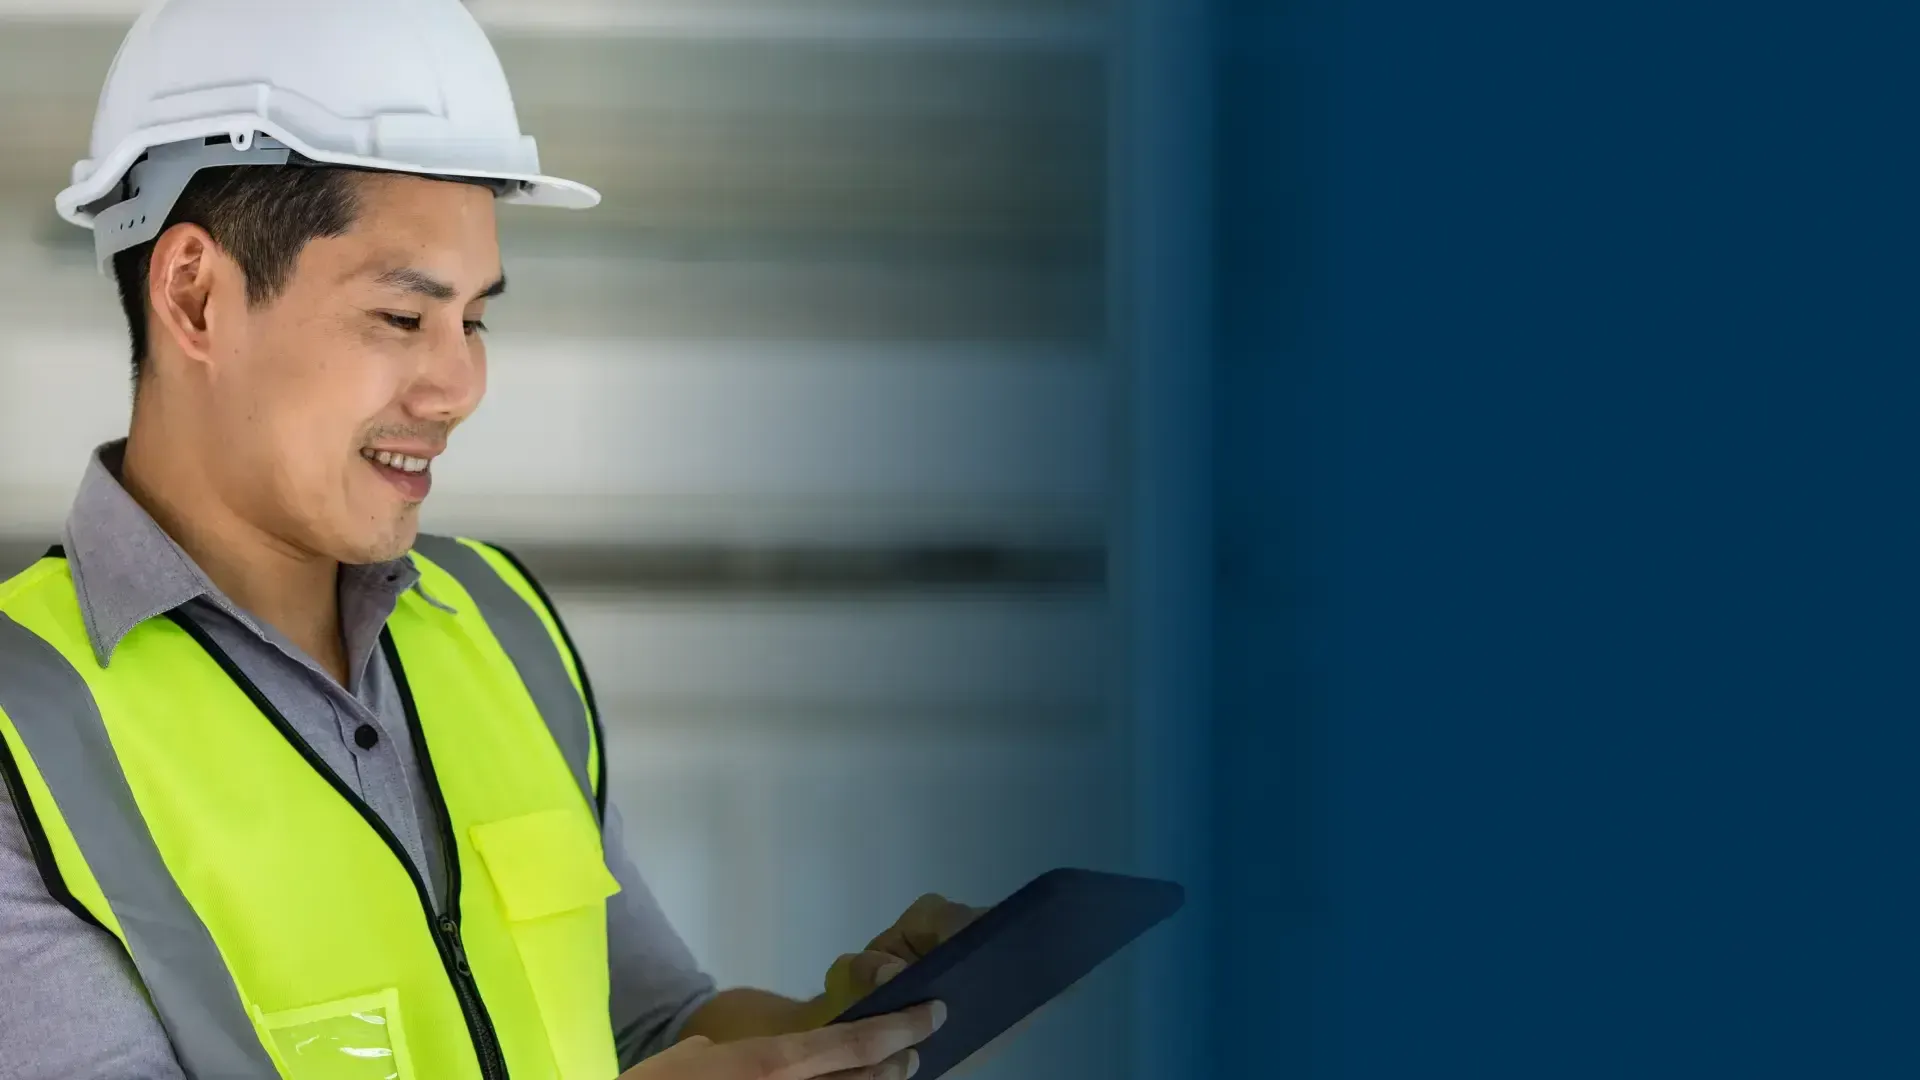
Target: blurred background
[{"x": 822, "y": 431}]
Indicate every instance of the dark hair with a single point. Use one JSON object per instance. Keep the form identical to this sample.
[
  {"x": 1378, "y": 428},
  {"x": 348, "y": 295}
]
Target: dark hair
[{"x": 261, "y": 215}]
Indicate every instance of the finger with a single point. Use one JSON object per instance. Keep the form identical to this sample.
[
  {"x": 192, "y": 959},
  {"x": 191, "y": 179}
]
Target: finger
[
  {"x": 935, "y": 922},
  {"x": 929, "y": 921},
  {"x": 841, "y": 1047},
  {"x": 871, "y": 969},
  {"x": 854, "y": 975},
  {"x": 893, "y": 938},
  {"x": 897, "y": 1067},
  {"x": 686, "y": 1058}
]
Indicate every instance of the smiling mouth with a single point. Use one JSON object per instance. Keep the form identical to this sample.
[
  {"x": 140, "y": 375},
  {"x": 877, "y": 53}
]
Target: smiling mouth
[
  {"x": 411, "y": 476},
  {"x": 396, "y": 462}
]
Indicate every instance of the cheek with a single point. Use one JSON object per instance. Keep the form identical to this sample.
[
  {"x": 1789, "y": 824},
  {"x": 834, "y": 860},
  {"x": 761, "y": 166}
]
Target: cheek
[{"x": 322, "y": 395}]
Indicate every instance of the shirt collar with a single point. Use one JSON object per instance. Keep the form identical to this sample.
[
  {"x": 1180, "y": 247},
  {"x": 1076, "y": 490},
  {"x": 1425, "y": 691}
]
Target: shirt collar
[{"x": 126, "y": 569}]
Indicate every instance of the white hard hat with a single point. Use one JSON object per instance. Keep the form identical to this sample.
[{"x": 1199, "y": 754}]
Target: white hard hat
[{"x": 398, "y": 85}]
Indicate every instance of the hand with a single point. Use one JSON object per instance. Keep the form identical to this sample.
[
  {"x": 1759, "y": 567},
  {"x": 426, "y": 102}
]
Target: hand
[
  {"x": 878, "y": 1048},
  {"x": 930, "y": 921}
]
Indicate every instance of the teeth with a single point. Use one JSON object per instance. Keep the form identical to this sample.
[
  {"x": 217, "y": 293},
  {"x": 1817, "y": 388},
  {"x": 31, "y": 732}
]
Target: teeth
[{"x": 396, "y": 461}]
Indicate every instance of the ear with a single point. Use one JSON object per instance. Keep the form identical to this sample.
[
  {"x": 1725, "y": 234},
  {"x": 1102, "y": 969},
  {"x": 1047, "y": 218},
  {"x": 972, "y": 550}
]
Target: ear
[{"x": 188, "y": 278}]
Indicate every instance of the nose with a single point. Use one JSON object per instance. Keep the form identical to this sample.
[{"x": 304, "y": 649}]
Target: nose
[{"x": 452, "y": 377}]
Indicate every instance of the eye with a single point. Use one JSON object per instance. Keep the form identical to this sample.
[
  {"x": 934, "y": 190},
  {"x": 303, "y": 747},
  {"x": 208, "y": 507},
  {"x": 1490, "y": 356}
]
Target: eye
[
  {"x": 474, "y": 326},
  {"x": 403, "y": 322}
]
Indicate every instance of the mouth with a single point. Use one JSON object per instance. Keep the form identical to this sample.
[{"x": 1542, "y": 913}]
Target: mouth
[{"x": 411, "y": 476}]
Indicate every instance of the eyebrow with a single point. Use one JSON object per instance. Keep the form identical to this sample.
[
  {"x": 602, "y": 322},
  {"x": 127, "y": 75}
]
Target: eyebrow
[{"x": 416, "y": 281}]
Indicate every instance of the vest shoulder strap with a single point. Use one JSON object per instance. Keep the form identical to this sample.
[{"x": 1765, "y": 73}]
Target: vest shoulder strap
[
  {"x": 12, "y": 780},
  {"x": 528, "y": 626},
  {"x": 47, "y": 706}
]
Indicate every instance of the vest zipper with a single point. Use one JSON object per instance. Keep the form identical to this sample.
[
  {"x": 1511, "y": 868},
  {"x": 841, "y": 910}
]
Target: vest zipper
[
  {"x": 445, "y": 929},
  {"x": 485, "y": 1042}
]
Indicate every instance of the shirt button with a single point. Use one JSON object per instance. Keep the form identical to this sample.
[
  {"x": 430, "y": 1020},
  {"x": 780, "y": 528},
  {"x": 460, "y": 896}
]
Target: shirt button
[{"x": 365, "y": 737}]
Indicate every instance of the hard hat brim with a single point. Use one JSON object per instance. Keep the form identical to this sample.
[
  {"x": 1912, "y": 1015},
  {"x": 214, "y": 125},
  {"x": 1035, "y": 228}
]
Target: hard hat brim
[{"x": 96, "y": 180}]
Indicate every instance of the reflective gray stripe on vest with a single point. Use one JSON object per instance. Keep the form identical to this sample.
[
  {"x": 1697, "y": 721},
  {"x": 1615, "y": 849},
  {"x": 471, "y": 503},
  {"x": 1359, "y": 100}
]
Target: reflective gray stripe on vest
[
  {"x": 191, "y": 988},
  {"x": 533, "y": 651}
]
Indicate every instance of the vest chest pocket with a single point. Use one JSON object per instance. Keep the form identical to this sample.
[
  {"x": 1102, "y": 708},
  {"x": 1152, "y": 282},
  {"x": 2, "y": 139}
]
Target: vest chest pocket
[
  {"x": 550, "y": 873},
  {"x": 356, "y": 1039}
]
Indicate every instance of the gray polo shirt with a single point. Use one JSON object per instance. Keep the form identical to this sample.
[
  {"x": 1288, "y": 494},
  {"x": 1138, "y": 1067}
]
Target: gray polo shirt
[{"x": 71, "y": 1005}]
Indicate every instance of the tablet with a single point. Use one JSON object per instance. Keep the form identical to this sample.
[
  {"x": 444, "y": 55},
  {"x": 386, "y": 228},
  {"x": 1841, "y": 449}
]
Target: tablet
[{"x": 1020, "y": 954}]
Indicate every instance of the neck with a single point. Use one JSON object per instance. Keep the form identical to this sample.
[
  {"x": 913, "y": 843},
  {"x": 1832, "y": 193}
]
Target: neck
[{"x": 277, "y": 582}]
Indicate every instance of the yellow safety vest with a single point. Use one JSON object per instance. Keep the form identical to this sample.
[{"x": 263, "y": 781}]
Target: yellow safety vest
[{"x": 275, "y": 922}]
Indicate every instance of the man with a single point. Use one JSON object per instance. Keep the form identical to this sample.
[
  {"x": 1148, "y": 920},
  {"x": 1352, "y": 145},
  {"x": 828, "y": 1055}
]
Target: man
[{"x": 290, "y": 789}]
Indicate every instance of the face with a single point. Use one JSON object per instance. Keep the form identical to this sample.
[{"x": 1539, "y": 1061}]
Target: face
[{"x": 331, "y": 401}]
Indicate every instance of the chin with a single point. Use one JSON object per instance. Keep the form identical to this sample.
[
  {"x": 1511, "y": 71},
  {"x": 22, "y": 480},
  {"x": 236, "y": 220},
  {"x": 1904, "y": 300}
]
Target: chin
[{"x": 383, "y": 546}]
